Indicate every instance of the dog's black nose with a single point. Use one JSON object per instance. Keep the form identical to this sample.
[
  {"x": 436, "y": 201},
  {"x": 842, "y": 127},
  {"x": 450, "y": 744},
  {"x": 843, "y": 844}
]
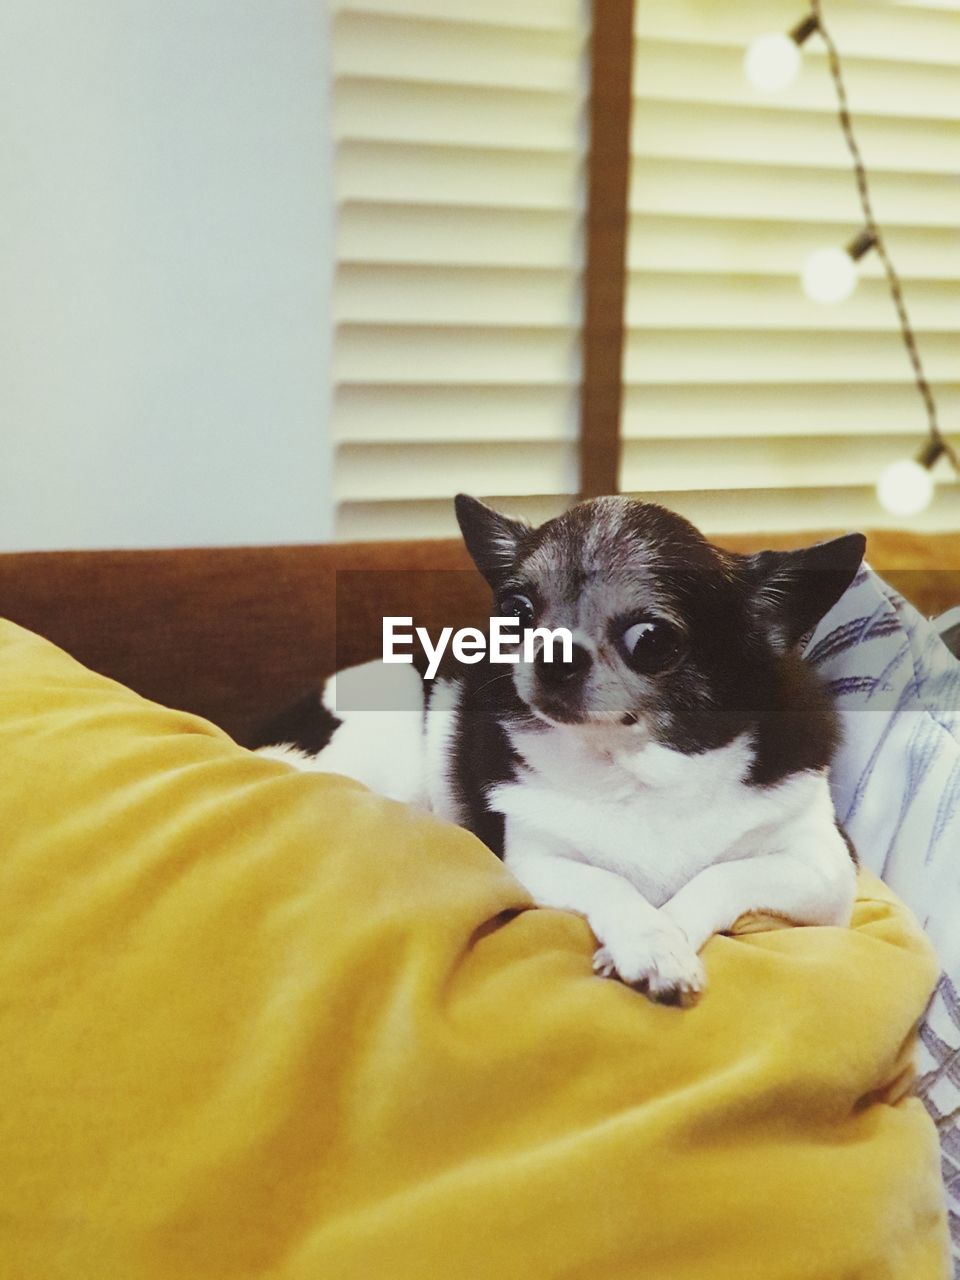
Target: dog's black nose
[{"x": 559, "y": 672}]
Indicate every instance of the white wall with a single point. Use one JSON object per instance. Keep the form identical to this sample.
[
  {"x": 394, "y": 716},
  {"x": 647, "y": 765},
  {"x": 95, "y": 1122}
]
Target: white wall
[{"x": 165, "y": 257}]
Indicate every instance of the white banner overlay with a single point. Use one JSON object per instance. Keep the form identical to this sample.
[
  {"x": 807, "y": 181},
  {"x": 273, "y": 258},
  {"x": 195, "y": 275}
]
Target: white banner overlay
[{"x": 470, "y": 644}]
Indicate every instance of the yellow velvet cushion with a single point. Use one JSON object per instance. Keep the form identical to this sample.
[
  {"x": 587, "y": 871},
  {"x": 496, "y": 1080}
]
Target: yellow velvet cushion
[{"x": 260, "y": 1023}]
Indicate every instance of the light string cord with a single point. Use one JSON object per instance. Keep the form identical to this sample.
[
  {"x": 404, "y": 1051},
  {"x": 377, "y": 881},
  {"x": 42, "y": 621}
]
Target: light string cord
[{"x": 893, "y": 280}]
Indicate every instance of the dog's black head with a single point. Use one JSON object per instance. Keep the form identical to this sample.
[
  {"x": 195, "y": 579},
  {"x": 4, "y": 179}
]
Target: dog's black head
[{"x": 673, "y": 637}]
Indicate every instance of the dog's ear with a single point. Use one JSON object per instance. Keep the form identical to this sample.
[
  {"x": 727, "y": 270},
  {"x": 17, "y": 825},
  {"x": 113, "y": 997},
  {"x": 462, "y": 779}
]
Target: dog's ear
[
  {"x": 492, "y": 539},
  {"x": 792, "y": 590}
]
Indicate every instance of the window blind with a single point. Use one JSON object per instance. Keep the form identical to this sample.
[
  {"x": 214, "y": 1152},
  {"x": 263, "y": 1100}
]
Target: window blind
[
  {"x": 747, "y": 406},
  {"x": 459, "y": 191},
  {"x": 459, "y": 187}
]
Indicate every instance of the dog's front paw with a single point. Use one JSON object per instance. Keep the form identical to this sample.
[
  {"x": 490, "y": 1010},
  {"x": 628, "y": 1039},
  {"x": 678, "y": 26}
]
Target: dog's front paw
[{"x": 659, "y": 962}]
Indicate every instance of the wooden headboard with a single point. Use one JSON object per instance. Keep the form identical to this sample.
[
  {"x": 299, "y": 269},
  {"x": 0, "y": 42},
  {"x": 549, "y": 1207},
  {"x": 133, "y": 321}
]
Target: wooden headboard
[{"x": 237, "y": 633}]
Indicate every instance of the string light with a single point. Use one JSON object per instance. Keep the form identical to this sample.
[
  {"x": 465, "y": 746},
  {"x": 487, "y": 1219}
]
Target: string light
[
  {"x": 829, "y": 275},
  {"x": 772, "y": 61},
  {"x": 905, "y": 487}
]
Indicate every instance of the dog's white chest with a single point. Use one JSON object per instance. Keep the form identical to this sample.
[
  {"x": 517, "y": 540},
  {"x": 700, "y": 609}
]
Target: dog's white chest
[{"x": 654, "y": 816}]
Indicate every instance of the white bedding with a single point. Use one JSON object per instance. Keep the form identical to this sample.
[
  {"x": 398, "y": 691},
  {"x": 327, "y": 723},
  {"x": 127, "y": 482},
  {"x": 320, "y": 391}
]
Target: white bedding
[{"x": 896, "y": 787}]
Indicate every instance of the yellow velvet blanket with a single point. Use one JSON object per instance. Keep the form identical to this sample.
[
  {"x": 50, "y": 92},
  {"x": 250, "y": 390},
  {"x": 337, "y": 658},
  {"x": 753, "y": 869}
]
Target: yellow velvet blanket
[{"x": 260, "y": 1023}]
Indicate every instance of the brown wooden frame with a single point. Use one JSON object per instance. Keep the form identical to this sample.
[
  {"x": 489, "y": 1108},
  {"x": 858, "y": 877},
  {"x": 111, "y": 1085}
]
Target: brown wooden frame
[{"x": 608, "y": 175}]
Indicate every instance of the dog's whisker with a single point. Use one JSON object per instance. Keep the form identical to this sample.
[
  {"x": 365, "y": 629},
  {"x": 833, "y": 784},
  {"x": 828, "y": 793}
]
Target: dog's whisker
[{"x": 507, "y": 675}]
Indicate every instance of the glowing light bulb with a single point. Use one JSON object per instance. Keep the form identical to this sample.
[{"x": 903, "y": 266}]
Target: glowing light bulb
[
  {"x": 829, "y": 275},
  {"x": 772, "y": 62},
  {"x": 905, "y": 487}
]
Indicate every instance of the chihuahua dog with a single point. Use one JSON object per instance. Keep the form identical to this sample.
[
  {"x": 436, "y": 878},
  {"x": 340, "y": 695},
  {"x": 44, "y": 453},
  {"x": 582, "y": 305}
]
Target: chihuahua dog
[{"x": 666, "y": 778}]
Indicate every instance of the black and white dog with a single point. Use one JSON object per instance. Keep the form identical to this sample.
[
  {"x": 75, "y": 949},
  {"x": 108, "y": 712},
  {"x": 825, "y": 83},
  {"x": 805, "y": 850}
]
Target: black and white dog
[{"x": 669, "y": 777}]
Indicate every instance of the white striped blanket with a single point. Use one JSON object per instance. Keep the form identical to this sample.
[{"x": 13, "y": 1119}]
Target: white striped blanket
[{"x": 896, "y": 787}]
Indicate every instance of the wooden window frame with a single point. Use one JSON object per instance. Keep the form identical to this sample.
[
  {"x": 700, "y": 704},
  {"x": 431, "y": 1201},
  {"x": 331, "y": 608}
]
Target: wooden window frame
[{"x": 608, "y": 178}]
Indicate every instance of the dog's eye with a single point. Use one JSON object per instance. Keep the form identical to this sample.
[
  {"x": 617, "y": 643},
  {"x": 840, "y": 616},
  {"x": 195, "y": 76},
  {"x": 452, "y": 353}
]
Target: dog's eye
[
  {"x": 651, "y": 645},
  {"x": 516, "y": 606}
]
